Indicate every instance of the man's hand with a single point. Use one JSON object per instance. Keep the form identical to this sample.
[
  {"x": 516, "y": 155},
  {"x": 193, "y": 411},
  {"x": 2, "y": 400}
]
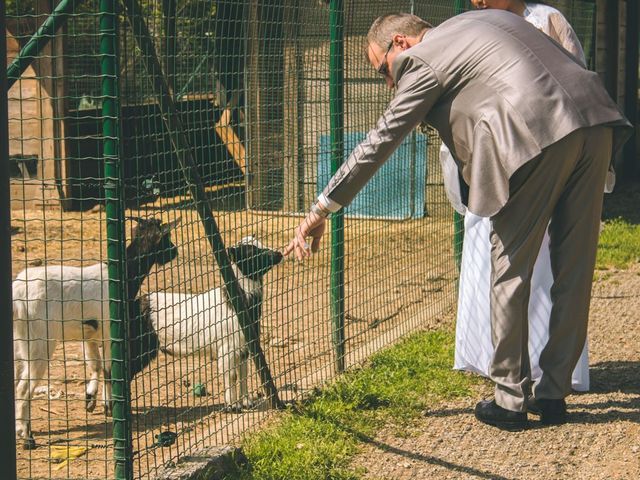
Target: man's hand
[{"x": 312, "y": 226}]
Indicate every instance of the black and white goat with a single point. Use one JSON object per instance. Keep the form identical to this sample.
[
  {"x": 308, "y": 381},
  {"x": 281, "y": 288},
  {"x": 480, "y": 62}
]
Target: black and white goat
[
  {"x": 188, "y": 324},
  {"x": 58, "y": 303}
]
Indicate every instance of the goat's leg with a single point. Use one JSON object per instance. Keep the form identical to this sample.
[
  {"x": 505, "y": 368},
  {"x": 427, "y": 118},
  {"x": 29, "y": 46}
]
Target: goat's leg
[
  {"x": 93, "y": 361},
  {"x": 227, "y": 366},
  {"x": 31, "y": 372},
  {"x": 23, "y": 402},
  {"x": 243, "y": 374},
  {"x": 106, "y": 390},
  {"x": 18, "y": 366},
  {"x": 106, "y": 374},
  {"x": 105, "y": 349}
]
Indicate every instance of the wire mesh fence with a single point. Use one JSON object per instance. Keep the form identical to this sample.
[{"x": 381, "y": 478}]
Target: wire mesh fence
[{"x": 148, "y": 135}]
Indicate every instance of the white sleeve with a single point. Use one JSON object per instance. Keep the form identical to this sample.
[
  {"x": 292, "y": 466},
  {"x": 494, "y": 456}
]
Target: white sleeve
[
  {"x": 329, "y": 204},
  {"x": 566, "y": 36},
  {"x": 451, "y": 180}
]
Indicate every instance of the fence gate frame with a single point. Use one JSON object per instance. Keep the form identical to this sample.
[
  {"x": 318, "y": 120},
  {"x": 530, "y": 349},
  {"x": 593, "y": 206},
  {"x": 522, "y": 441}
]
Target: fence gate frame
[
  {"x": 7, "y": 392},
  {"x": 162, "y": 76}
]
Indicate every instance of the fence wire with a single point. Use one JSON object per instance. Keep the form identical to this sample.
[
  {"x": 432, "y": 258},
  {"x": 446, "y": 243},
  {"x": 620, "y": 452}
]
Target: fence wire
[{"x": 100, "y": 197}]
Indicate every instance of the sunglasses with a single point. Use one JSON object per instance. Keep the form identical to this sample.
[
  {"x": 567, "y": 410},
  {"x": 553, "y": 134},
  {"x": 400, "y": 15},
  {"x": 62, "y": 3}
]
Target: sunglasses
[{"x": 383, "y": 69}]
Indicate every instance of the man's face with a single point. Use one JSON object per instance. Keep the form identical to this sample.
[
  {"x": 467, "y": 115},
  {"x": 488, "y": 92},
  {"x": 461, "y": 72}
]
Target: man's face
[
  {"x": 499, "y": 4},
  {"x": 381, "y": 60}
]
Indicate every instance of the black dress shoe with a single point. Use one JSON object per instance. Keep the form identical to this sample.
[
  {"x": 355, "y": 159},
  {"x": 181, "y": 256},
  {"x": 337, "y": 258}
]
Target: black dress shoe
[
  {"x": 551, "y": 411},
  {"x": 489, "y": 412}
]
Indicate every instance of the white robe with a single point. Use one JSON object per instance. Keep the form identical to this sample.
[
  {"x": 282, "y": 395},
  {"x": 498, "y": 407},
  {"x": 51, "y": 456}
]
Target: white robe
[{"x": 474, "y": 347}]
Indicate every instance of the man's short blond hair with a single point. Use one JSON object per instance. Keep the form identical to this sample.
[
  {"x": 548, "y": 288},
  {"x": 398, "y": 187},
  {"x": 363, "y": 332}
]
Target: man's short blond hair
[{"x": 385, "y": 27}]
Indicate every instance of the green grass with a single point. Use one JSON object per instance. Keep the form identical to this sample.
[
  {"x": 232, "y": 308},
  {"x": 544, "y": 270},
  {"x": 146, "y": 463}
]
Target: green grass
[
  {"x": 317, "y": 439},
  {"x": 619, "y": 245}
]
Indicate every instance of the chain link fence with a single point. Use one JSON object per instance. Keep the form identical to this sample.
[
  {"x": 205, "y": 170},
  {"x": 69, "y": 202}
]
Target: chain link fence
[{"x": 148, "y": 140}]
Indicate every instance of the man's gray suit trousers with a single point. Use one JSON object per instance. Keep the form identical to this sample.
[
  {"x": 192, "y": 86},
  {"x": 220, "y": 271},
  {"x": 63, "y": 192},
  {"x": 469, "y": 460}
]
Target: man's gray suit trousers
[{"x": 561, "y": 189}]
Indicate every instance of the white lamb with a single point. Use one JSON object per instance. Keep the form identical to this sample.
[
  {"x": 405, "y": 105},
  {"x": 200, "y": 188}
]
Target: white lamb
[
  {"x": 59, "y": 303},
  {"x": 206, "y": 324}
]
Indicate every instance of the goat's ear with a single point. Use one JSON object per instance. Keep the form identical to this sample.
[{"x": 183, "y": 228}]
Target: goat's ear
[
  {"x": 233, "y": 254},
  {"x": 135, "y": 219},
  {"x": 167, "y": 227}
]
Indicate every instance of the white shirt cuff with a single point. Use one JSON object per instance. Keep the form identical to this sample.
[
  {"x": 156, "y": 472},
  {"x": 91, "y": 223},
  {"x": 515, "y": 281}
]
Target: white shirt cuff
[{"x": 328, "y": 203}]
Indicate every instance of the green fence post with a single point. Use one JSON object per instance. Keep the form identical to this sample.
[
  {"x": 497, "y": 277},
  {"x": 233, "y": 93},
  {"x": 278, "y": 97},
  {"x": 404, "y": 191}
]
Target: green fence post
[
  {"x": 122, "y": 442},
  {"x": 336, "y": 113},
  {"x": 458, "y": 220},
  {"x": 192, "y": 178},
  {"x": 7, "y": 405},
  {"x": 39, "y": 40}
]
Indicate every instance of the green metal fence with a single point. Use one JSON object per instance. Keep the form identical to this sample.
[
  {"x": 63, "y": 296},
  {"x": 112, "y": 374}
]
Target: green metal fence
[{"x": 222, "y": 119}]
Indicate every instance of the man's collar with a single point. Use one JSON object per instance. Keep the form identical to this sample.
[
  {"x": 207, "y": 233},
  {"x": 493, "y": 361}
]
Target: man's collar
[{"x": 426, "y": 32}]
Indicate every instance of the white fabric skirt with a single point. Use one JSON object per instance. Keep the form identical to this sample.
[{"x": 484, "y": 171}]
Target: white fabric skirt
[{"x": 474, "y": 347}]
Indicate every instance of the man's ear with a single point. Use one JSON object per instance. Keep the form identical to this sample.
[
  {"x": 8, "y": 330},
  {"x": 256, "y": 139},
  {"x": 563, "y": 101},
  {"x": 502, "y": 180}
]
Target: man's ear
[{"x": 401, "y": 40}]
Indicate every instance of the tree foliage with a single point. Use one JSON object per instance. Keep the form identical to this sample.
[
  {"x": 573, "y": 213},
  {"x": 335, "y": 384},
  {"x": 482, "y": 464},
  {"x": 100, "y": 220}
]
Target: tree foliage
[
  {"x": 15, "y": 8},
  {"x": 21, "y": 8}
]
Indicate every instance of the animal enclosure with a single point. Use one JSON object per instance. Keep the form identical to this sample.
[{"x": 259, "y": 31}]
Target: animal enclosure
[{"x": 222, "y": 119}]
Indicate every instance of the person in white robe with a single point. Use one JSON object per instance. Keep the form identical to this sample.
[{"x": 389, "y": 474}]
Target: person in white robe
[{"x": 474, "y": 348}]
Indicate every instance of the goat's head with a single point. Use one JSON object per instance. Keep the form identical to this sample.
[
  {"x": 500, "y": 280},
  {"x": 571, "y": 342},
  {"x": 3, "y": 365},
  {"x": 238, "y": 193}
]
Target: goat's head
[
  {"x": 143, "y": 339},
  {"x": 252, "y": 258},
  {"x": 153, "y": 239}
]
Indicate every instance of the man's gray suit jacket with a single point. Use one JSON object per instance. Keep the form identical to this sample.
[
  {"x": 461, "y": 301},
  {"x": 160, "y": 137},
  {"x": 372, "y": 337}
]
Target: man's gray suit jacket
[{"x": 497, "y": 90}]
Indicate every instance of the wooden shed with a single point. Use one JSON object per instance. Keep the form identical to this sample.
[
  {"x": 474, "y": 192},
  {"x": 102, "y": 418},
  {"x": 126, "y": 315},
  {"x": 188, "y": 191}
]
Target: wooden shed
[
  {"x": 36, "y": 127},
  {"x": 288, "y": 116}
]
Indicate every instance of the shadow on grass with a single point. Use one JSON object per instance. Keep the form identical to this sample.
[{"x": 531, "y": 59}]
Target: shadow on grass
[
  {"x": 617, "y": 376},
  {"x": 611, "y": 377},
  {"x": 623, "y": 202},
  {"x": 419, "y": 457},
  {"x": 615, "y": 411}
]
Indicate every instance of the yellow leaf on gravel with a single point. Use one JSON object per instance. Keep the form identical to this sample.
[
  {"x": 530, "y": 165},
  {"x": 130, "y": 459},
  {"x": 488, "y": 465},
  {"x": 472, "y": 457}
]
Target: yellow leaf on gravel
[{"x": 61, "y": 454}]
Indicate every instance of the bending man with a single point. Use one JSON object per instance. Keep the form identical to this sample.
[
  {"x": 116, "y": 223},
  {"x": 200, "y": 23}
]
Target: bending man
[{"x": 532, "y": 134}]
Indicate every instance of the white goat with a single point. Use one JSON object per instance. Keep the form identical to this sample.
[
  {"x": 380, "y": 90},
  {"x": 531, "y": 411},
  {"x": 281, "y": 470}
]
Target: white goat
[
  {"x": 59, "y": 303},
  {"x": 206, "y": 324}
]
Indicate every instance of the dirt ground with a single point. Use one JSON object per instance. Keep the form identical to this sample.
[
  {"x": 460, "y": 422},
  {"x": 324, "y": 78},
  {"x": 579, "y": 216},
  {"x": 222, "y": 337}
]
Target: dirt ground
[
  {"x": 392, "y": 288},
  {"x": 389, "y": 292},
  {"x": 601, "y": 439}
]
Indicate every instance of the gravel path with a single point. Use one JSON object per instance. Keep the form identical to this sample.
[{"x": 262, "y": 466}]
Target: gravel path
[{"x": 601, "y": 440}]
